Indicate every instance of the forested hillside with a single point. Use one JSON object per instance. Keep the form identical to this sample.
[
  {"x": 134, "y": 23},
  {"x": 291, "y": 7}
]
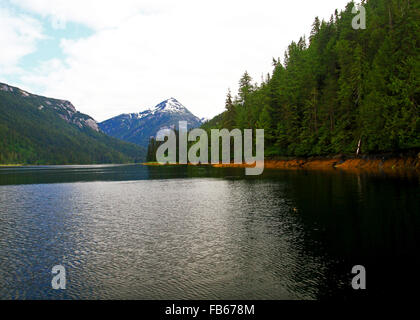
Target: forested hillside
[
  {"x": 339, "y": 87},
  {"x": 40, "y": 130}
]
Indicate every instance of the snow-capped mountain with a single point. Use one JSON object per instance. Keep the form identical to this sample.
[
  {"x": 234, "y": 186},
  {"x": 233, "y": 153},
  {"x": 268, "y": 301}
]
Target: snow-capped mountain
[
  {"x": 170, "y": 105},
  {"x": 139, "y": 127}
]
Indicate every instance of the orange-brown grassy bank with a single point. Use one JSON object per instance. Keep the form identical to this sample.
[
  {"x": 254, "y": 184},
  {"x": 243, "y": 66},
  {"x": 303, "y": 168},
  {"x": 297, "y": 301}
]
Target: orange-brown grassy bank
[
  {"x": 374, "y": 164},
  {"x": 390, "y": 165}
]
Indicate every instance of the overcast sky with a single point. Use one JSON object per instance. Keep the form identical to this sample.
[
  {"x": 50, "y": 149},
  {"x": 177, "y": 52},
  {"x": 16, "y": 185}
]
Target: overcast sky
[{"x": 113, "y": 57}]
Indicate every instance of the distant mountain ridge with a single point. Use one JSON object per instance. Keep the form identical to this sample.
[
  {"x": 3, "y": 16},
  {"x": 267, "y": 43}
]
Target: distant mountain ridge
[
  {"x": 63, "y": 108},
  {"x": 139, "y": 127},
  {"x": 40, "y": 130}
]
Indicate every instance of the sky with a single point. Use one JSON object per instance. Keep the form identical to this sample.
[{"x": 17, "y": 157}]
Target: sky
[{"x": 113, "y": 57}]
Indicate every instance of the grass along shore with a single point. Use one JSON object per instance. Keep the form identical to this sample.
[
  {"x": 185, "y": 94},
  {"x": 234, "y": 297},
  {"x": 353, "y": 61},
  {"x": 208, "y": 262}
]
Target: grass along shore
[{"x": 383, "y": 163}]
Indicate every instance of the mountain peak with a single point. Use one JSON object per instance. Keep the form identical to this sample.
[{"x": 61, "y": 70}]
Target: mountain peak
[
  {"x": 170, "y": 105},
  {"x": 139, "y": 127}
]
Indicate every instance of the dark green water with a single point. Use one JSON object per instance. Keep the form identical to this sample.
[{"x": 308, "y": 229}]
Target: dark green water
[{"x": 135, "y": 232}]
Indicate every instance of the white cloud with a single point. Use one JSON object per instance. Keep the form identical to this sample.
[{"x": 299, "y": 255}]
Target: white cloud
[
  {"x": 18, "y": 36},
  {"x": 145, "y": 51},
  {"x": 97, "y": 14}
]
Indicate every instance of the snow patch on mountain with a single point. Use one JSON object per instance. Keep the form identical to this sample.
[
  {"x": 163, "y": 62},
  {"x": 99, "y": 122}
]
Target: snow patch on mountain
[{"x": 170, "y": 105}]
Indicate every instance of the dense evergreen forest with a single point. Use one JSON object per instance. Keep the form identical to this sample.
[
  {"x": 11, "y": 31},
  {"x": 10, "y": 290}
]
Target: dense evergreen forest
[
  {"x": 339, "y": 87},
  {"x": 30, "y": 134}
]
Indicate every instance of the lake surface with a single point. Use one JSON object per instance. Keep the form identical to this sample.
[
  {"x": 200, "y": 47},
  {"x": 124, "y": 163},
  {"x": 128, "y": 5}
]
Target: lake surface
[{"x": 137, "y": 232}]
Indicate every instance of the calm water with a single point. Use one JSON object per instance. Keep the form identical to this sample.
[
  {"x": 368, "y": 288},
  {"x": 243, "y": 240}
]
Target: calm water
[{"x": 135, "y": 232}]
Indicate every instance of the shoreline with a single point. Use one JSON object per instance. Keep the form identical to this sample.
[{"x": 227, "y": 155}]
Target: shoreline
[
  {"x": 395, "y": 164},
  {"x": 376, "y": 163},
  {"x": 73, "y": 164},
  {"x": 386, "y": 164},
  {"x": 11, "y": 165}
]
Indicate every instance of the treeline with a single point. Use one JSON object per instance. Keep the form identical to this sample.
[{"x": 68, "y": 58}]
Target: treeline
[
  {"x": 154, "y": 145},
  {"x": 339, "y": 87},
  {"x": 152, "y": 149}
]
